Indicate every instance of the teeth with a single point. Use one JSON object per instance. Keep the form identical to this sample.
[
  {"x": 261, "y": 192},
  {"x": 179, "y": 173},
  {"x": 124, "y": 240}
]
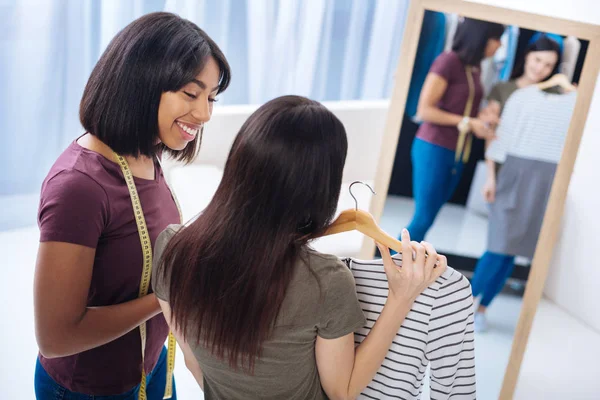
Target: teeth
[{"x": 187, "y": 129}]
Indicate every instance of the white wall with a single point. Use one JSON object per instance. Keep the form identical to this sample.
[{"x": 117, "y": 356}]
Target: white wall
[
  {"x": 575, "y": 270},
  {"x": 587, "y": 11}
]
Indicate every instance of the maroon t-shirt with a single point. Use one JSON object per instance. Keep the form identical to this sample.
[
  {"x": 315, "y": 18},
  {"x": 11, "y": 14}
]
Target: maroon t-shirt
[
  {"x": 85, "y": 201},
  {"x": 448, "y": 66}
]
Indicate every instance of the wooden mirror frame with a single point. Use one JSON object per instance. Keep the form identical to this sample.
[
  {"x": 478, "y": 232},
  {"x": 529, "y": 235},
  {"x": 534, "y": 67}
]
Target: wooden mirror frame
[{"x": 556, "y": 202}]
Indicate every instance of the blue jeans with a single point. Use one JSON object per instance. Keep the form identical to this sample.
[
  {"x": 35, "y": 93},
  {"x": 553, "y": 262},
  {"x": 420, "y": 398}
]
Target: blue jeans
[
  {"x": 47, "y": 389},
  {"x": 435, "y": 177},
  {"x": 490, "y": 275}
]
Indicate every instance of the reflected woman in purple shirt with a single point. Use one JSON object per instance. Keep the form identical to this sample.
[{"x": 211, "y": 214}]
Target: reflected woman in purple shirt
[{"x": 449, "y": 109}]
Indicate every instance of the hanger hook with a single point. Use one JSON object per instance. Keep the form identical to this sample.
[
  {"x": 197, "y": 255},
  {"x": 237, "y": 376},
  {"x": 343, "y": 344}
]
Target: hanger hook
[{"x": 352, "y": 194}]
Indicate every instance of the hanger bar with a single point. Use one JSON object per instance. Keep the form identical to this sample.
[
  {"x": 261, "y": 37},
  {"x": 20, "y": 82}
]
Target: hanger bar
[
  {"x": 362, "y": 221},
  {"x": 560, "y": 80}
]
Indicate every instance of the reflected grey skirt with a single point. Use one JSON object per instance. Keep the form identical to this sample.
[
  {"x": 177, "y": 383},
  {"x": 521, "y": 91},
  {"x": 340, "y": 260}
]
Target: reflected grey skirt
[{"x": 522, "y": 192}]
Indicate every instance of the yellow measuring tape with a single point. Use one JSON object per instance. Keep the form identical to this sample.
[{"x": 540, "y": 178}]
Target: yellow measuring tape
[
  {"x": 462, "y": 147},
  {"x": 146, "y": 273}
]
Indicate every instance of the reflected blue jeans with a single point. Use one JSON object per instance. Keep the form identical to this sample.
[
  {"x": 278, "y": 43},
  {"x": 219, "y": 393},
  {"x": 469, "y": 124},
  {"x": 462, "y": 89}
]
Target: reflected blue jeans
[
  {"x": 435, "y": 177},
  {"x": 491, "y": 273},
  {"x": 47, "y": 389}
]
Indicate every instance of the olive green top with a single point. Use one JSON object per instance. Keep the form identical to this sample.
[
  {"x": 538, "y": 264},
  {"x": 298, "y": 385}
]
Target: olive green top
[{"x": 320, "y": 301}]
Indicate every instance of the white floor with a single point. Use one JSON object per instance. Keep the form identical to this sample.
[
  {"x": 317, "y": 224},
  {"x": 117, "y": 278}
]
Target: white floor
[
  {"x": 492, "y": 348},
  {"x": 561, "y": 360},
  {"x": 456, "y": 229}
]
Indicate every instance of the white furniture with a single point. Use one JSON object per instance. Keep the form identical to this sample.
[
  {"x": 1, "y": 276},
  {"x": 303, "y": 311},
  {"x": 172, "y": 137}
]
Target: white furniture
[{"x": 364, "y": 121}]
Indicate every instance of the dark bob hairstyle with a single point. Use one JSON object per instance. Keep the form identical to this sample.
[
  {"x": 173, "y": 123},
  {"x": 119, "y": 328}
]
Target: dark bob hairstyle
[
  {"x": 159, "y": 52},
  {"x": 471, "y": 39}
]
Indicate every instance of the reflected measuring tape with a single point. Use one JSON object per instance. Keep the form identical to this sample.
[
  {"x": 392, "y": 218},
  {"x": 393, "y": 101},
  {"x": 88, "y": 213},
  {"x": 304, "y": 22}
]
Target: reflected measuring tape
[{"x": 146, "y": 273}]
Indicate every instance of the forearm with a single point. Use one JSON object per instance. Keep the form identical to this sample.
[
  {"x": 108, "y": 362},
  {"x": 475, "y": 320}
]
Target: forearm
[
  {"x": 194, "y": 368},
  {"x": 101, "y": 325},
  {"x": 371, "y": 352},
  {"x": 438, "y": 116},
  {"x": 490, "y": 168},
  {"x": 188, "y": 355}
]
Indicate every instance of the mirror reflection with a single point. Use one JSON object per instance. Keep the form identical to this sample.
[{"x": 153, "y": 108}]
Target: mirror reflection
[{"x": 486, "y": 117}]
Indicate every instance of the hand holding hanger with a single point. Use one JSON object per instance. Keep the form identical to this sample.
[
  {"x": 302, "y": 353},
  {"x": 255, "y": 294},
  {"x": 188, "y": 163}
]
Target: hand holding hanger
[
  {"x": 482, "y": 129},
  {"x": 362, "y": 221},
  {"x": 491, "y": 114},
  {"x": 559, "y": 80},
  {"x": 408, "y": 282}
]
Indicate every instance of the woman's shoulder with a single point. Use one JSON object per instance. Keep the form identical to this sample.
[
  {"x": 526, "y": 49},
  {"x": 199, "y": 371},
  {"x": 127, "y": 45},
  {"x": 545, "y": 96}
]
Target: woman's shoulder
[
  {"x": 521, "y": 96},
  {"x": 449, "y": 57},
  {"x": 324, "y": 259},
  {"x": 72, "y": 193},
  {"x": 159, "y": 285},
  {"x": 71, "y": 181},
  {"x": 505, "y": 86},
  {"x": 77, "y": 165},
  {"x": 447, "y": 64},
  {"x": 165, "y": 236},
  {"x": 499, "y": 86},
  {"x": 326, "y": 265}
]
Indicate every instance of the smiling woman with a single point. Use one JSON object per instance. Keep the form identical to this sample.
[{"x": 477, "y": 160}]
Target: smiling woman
[
  {"x": 182, "y": 114},
  {"x": 150, "y": 93},
  {"x": 172, "y": 66}
]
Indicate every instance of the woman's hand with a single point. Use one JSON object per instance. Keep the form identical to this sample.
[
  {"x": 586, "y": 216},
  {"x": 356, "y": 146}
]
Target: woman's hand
[
  {"x": 481, "y": 129},
  {"x": 489, "y": 190},
  {"x": 491, "y": 114},
  {"x": 345, "y": 370},
  {"x": 406, "y": 283}
]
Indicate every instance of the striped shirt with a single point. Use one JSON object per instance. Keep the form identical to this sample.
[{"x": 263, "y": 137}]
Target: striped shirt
[
  {"x": 533, "y": 125},
  {"x": 438, "y": 331}
]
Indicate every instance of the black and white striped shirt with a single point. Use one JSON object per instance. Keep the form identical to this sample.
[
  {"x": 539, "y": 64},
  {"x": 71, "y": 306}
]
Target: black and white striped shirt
[
  {"x": 438, "y": 332},
  {"x": 534, "y": 125}
]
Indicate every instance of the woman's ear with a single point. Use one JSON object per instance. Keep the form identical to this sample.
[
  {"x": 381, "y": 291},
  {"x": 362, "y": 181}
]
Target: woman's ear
[{"x": 305, "y": 225}]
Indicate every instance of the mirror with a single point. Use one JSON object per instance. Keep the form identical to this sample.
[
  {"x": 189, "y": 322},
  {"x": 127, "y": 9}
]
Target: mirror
[{"x": 487, "y": 114}]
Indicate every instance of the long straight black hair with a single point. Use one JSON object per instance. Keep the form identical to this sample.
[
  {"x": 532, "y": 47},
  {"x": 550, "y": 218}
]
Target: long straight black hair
[
  {"x": 230, "y": 269},
  {"x": 471, "y": 38},
  {"x": 544, "y": 43}
]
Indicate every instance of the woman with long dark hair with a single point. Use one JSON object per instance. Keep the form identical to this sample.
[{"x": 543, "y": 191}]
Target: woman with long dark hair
[
  {"x": 257, "y": 312},
  {"x": 540, "y": 62},
  {"x": 449, "y": 108},
  {"x": 150, "y": 93}
]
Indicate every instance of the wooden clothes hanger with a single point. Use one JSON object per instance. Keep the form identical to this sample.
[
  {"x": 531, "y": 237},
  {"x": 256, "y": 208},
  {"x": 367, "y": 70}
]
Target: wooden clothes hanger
[
  {"x": 362, "y": 221},
  {"x": 560, "y": 80}
]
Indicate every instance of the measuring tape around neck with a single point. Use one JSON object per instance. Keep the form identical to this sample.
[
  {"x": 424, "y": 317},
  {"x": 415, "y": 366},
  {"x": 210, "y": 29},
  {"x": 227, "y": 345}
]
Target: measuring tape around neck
[
  {"x": 146, "y": 273},
  {"x": 465, "y": 141}
]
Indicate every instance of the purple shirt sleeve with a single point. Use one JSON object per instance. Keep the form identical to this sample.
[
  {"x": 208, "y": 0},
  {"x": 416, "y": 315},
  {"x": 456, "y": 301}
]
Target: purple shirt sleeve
[
  {"x": 73, "y": 209},
  {"x": 445, "y": 65}
]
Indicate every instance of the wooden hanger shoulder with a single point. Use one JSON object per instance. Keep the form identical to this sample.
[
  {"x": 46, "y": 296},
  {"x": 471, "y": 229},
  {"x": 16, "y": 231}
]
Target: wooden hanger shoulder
[
  {"x": 363, "y": 222},
  {"x": 557, "y": 80}
]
